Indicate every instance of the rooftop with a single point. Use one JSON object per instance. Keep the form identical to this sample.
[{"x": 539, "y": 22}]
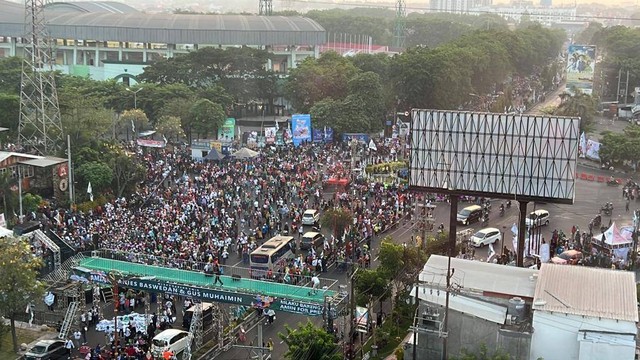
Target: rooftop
[
  {"x": 106, "y": 21},
  {"x": 476, "y": 276},
  {"x": 587, "y": 291}
]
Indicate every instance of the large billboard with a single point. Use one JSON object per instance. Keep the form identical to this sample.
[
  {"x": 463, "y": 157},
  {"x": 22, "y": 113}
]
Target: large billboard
[
  {"x": 301, "y": 128},
  {"x": 228, "y": 130},
  {"x": 524, "y": 157},
  {"x": 581, "y": 66}
]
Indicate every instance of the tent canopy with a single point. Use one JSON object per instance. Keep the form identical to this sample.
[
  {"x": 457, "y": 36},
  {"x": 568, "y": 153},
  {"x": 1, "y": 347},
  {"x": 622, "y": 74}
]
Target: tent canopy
[
  {"x": 615, "y": 237},
  {"x": 244, "y": 153},
  {"x": 214, "y": 155}
]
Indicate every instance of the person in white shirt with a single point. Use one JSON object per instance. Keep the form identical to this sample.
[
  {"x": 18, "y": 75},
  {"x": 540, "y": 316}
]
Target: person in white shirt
[
  {"x": 69, "y": 346},
  {"x": 315, "y": 282},
  {"x": 76, "y": 336}
]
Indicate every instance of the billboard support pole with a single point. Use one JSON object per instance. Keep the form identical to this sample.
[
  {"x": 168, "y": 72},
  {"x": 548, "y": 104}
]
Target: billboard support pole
[
  {"x": 453, "y": 218},
  {"x": 521, "y": 232}
]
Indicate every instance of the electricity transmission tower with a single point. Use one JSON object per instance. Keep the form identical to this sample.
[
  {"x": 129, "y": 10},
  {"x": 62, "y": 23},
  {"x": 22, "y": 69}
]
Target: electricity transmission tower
[
  {"x": 40, "y": 127},
  {"x": 266, "y": 7},
  {"x": 399, "y": 28}
]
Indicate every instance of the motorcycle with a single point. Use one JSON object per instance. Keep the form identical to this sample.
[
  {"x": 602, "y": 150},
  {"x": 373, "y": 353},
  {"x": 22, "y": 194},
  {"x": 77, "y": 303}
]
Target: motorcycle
[
  {"x": 607, "y": 209},
  {"x": 613, "y": 182},
  {"x": 501, "y": 210},
  {"x": 508, "y": 204}
]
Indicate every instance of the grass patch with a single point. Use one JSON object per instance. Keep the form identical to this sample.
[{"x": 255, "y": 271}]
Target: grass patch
[{"x": 24, "y": 336}]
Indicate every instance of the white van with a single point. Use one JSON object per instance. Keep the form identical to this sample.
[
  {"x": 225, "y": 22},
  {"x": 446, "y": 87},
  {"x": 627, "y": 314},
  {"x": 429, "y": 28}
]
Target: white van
[
  {"x": 171, "y": 339},
  {"x": 310, "y": 217}
]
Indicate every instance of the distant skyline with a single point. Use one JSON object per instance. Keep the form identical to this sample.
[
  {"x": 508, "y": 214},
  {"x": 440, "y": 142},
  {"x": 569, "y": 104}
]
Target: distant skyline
[{"x": 580, "y": 2}]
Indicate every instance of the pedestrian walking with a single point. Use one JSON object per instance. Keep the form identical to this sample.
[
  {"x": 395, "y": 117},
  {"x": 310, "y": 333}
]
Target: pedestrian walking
[
  {"x": 69, "y": 346},
  {"x": 218, "y": 271}
]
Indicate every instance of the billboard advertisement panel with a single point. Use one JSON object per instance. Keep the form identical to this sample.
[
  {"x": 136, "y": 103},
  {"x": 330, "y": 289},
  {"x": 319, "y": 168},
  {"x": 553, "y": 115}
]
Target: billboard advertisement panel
[
  {"x": 524, "y": 157},
  {"x": 228, "y": 130},
  {"x": 301, "y": 128},
  {"x": 581, "y": 65}
]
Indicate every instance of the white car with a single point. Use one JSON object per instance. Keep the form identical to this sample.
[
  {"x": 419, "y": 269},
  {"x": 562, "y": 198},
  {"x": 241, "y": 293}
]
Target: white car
[
  {"x": 537, "y": 218},
  {"x": 486, "y": 236},
  {"x": 310, "y": 217},
  {"x": 171, "y": 339}
]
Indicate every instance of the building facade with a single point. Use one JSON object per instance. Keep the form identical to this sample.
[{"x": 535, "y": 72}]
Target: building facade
[{"x": 110, "y": 40}]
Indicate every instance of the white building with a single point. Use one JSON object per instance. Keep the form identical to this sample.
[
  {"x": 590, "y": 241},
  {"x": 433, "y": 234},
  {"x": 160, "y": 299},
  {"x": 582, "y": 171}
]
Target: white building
[
  {"x": 543, "y": 15},
  {"x": 583, "y": 313},
  {"x": 451, "y": 6}
]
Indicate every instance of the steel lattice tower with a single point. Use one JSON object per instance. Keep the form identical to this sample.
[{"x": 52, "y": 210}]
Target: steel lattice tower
[
  {"x": 40, "y": 127},
  {"x": 399, "y": 28},
  {"x": 266, "y": 7}
]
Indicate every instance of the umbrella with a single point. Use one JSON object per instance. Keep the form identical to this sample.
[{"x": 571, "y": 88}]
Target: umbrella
[
  {"x": 245, "y": 153},
  {"x": 214, "y": 155}
]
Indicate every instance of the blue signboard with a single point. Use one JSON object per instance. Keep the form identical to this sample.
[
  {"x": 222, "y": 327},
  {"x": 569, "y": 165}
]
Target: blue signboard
[
  {"x": 328, "y": 134},
  {"x": 318, "y": 135},
  {"x": 301, "y": 128}
]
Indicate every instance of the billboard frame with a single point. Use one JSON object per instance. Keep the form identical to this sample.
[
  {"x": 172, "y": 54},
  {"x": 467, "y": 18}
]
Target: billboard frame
[{"x": 504, "y": 158}]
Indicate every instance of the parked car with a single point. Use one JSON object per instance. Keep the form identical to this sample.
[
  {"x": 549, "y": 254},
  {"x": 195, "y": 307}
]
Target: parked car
[
  {"x": 486, "y": 236},
  {"x": 47, "y": 350},
  {"x": 310, "y": 217},
  {"x": 569, "y": 257},
  {"x": 173, "y": 340},
  {"x": 537, "y": 218},
  {"x": 469, "y": 214}
]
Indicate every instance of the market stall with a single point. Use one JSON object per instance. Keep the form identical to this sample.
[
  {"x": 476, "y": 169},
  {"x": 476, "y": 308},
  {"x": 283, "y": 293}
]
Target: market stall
[{"x": 616, "y": 241}]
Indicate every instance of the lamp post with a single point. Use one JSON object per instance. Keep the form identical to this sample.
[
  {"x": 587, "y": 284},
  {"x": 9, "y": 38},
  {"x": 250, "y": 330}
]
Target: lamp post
[{"x": 135, "y": 96}]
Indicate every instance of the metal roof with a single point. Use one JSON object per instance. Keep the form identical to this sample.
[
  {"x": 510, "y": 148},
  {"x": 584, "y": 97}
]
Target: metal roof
[
  {"x": 478, "y": 276},
  {"x": 587, "y": 291},
  {"x": 468, "y": 305},
  {"x": 168, "y": 28},
  {"x": 44, "y": 162},
  {"x": 92, "y": 7}
]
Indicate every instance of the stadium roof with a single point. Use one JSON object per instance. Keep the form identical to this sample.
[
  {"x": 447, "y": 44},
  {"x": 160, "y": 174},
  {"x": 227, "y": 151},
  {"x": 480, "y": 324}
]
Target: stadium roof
[{"x": 103, "y": 21}]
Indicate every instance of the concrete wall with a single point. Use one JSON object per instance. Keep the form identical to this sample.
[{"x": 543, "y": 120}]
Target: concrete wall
[{"x": 558, "y": 334}]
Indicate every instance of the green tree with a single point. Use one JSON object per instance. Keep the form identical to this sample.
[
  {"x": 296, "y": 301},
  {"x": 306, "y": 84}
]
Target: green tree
[
  {"x": 482, "y": 354},
  {"x": 337, "y": 220},
  {"x": 31, "y": 202},
  {"x": 170, "y": 127},
  {"x": 318, "y": 79},
  {"x": 370, "y": 284},
  {"x": 309, "y": 342},
  {"x": 98, "y": 173},
  {"x": 84, "y": 117},
  {"x": 10, "y": 112},
  {"x": 18, "y": 280},
  {"x": 581, "y": 105},
  {"x": 206, "y": 117},
  {"x": 10, "y": 75},
  {"x": 127, "y": 171},
  {"x": 136, "y": 117}
]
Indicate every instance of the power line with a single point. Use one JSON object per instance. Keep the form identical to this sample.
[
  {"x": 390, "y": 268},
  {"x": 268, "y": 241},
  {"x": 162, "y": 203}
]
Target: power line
[{"x": 466, "y": 12}]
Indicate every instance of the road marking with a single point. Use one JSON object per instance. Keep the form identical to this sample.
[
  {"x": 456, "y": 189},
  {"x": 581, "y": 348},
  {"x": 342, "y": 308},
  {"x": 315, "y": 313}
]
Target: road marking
[{"x": 236, "y": 264}]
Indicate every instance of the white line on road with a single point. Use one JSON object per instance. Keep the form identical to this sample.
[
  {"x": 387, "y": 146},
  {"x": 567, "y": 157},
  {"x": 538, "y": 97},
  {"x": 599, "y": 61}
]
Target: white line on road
[{"x": 236, "y": 264}]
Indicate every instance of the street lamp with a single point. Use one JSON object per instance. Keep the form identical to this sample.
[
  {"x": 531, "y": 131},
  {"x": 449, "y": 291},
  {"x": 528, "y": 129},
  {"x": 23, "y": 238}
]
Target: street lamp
[{"x": 135, "y": 96}]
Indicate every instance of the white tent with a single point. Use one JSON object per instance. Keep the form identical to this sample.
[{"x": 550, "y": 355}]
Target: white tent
[
  {"x": 614, "y": 238},
  {"x": 4, "y": 232},
  {"x": 245, "y": 153}
]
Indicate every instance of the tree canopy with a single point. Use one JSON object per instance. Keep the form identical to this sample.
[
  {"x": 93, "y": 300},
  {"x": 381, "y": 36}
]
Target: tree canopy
[
  {"x": 18, "y": 279},
  {"x": 309, "y": 342}
]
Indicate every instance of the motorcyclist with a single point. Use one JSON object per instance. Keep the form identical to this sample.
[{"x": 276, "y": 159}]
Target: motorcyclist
[{"x": 502, "y": 209}]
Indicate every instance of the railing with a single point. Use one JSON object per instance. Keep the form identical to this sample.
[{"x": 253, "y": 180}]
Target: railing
[
  {"x": 179, "y": 264},
  {"x": 231, "y": 337}
]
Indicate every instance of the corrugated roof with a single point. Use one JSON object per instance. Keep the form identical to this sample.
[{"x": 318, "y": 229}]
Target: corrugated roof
[
  {"x": 4, "y": 155},
  {"x": 169, "y": 28},
  {"x": 92, "y": 7},
  {"x": 480, "y": 276},
  {"x": 482, "y": 309},
  {"x": 587, "y": 291},
  {"x": 44, "y": 162}
]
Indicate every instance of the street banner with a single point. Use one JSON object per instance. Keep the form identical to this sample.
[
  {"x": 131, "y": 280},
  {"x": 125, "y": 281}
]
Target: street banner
[
  {"x": 581, "y": 66},
  {"x": 301, "y": 128},
  {"x": 318, "y": 135},
  {"x": 593, "y": 150},
  {"x": 328, "y": 134},
  {"x": 582, "y": 145},
  {"x": 228, "y": 130},
  {"x": 270, "y": 135},
  {"x": 150, "y": 143}
]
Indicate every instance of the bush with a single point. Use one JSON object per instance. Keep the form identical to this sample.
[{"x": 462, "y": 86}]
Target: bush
[
  {"x": 92, "y": 205},
  {"x": 399, "y": 353}
]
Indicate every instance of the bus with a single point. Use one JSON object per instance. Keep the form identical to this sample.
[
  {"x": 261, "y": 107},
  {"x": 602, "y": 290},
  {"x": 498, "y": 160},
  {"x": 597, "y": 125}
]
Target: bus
[{"x": 270, "y": 254}]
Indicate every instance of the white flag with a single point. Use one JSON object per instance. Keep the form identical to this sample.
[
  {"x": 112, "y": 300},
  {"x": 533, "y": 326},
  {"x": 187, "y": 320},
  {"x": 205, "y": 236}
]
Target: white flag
[
  {"x": 90, "y": 191},
  {"x": 277, "y": 126},
  {"x": 133, "y": 127},
  {"x": 583, "y": 145},
  {"x": 372, "y": 146},
  {"x": 165, "y": 139}
]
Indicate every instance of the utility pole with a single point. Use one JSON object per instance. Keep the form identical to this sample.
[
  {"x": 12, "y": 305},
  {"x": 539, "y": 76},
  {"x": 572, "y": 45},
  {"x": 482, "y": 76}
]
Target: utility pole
[
  {"x": 453, "y": 218},
  {"x": 399, "y": 30}
]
